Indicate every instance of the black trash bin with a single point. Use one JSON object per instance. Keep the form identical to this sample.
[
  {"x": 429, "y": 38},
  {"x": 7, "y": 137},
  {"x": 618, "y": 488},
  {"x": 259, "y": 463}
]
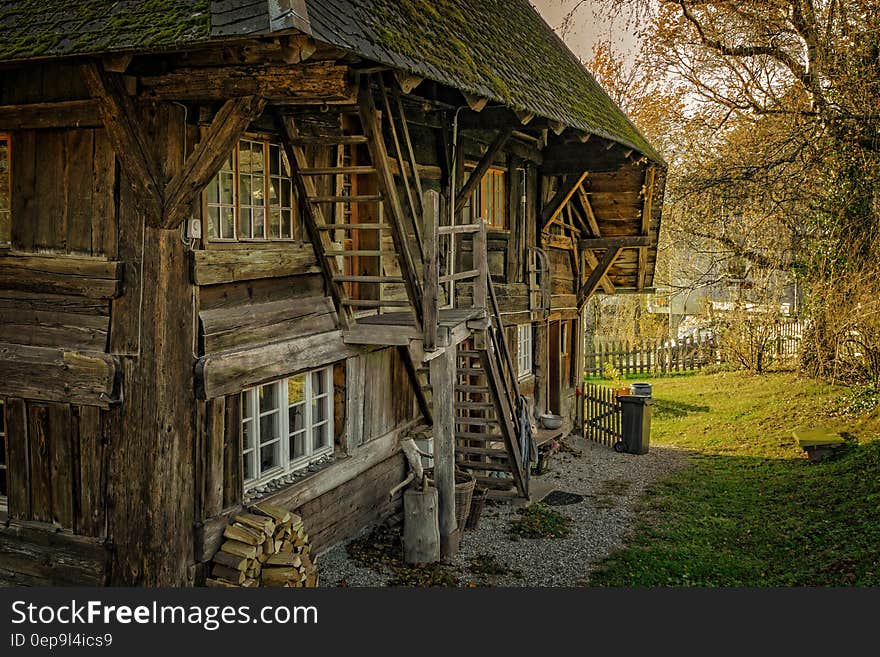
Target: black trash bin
[{"x": 636, "y": 424}]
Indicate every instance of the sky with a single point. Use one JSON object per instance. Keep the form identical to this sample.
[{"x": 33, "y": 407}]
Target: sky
[{"x": 586, "y": 29}]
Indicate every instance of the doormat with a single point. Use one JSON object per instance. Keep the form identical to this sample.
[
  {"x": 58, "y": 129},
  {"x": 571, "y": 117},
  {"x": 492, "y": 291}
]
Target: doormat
[{"x": 561, "y": 498}]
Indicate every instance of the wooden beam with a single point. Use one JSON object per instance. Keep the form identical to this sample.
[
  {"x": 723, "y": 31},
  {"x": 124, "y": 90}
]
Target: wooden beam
[
  {"x": 648, "y": 207},
  {"x": 93, "y": 278},
  {"x": 592, "y": 222},
  {"x": 588, "y": 288},
  {"x": 407, "y": 81},
  {"x": 525, "y": 117},
  {"x": 228, "y": 373},
  {"x": 127, "y": 136},
  {"x": 627, "y": 242},
  {"x": 476, "y": 103},
  {"x": 118, "y": 62},
  {"x": 566, "y": 190},
  {"x": 42, "y": 116},
  {"x": 593, "y": 262},
  {"x": 317, "y": 82},
  {"x": 477, "y": 175},
  {"x": 443, "y": 375},
  {"x": 209, "y": 154},
  {"x": 370, "y": 121},
  {"x": 62, "y": 375},
  {"x": 213, "y": 266}
]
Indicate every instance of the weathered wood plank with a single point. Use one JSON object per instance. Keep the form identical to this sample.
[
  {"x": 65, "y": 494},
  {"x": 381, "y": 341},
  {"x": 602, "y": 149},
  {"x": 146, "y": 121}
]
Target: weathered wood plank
[
  {"x": 231, "y": 372},
  {"x": 41, "y": 116},
  {"x": 215, "y": 438},
  {"x": 62, "y": 375},
  {"x": 39, "y": 435},
  {"x": 233, "y": 474},
  {"x": 61, "y": 465},
  {"x": 126, "y": 133},
  {"x": 303, "y": 83},
  {"x": 41, "y": 328},
  {"x": 214, "y": 266},
  {"x": 78, "y": 187},
  {"x": 92, "y": 473},
  {"x": 24, "y": 203},
  {"x": 36, "y": 554},
  {"x": 229, "y": 327},
  {"x": 89, "y": 277},
  {"x": 19, "y": 497}
]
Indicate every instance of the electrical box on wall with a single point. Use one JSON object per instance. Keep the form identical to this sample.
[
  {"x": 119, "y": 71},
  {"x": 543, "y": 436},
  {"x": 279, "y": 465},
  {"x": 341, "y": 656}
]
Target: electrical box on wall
[{"x": 194, "y": 229}]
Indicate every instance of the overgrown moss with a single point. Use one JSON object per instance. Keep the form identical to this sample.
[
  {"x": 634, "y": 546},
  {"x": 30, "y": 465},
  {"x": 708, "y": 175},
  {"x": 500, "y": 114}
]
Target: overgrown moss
[{"x": 34, "y": 28}]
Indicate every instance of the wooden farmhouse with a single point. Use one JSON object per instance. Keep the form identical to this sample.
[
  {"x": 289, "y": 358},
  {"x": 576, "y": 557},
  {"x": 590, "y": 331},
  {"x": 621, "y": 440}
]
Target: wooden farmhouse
[{"x": 247, "y": 246}]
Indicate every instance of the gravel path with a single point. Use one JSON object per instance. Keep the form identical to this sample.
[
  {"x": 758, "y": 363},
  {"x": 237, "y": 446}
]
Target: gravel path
[{"x": 611, "y": 485}]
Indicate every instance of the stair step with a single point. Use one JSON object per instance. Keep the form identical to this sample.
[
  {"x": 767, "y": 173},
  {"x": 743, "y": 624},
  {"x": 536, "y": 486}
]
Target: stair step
[
  {"x": 340, "y": 140},
  {"x": 485, "y": 406},
  {"x": 475, "y": 371},
  {"x": 464, "y": 388},
  {"x": 354, "y": 227},
  {"x": 482, "y": 451},
  {"x": 493, "y": 467},
  {"x": 358, "y": 252},
  {"x": 346, "y": 278},
  {"x": 375, "y": 303},
  {"x": 337, "y": 171},
  {"x": 486, "y": 437},
  {"x": 369, "y": 198},
  {"x": 477, "y": 421},
  {"x": 495, "y": 483},
  {"x": 468, "y": 352}
]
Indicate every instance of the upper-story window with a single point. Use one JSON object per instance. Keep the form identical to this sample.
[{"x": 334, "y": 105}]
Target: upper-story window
[
  {"x": 489, "y": 199},
  {"x": 286, "y": 424},
  {"x": 4, "y": 486},
  {"x": 252, "y": 197},
  {"x": 5, "y": 189}
]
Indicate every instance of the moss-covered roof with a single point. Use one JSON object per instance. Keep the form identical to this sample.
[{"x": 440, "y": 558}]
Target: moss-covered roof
[
  {"x": 500, "y": 49},
  {"x": 45, "y": 28}
]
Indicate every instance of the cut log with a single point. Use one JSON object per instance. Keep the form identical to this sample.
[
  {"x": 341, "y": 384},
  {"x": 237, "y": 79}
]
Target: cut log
[
  {"x": 239, "y": 549},
  {"x": 421, "y": 530},
  {"x": 247, "y": 535}
]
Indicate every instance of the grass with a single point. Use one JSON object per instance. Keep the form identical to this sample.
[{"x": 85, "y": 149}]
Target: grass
[{"x": 750, "y": 510}]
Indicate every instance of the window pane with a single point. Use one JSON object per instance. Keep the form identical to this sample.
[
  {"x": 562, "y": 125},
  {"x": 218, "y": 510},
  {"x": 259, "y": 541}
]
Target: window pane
[
  {"x": 258, "y": 164},
  {"x": 297, "y": 417},
  {"x": 275, "y": 230},
  {"x": 296, "y": 389},
  {"x": 269, "y": 428},
  {"x": 213, "y": 223},
  {"x": 246, "y": 398},
  {"x": 319, "y": 382},
  {"x": 247, "y": 430},
  {"x": 248, "y": 462},
  {"x": 245, "y": 189},
  {"x": 319, "y": 410},
  {"x": 227, "y": 225},
  {"x": 227, "y": 188},
  {"x": 214, "y": 190},
  {"x": 258, "y": 190},
  {"x": 246, "y": 228},
  {"x": 244, "y": 156},
  {"x": 269, "y": 397},
  {"x": 319, "y": 437},
  {"x": 298, "y": 446},
  {"x": 274, "y": 187},
  {"x": 286, "y": 195},
  {"x": 274, "y": 160},
  {"x": 270, "y": 456},
  {"x": 286, "y": 225},
  {"x": 259, "y": 223}
]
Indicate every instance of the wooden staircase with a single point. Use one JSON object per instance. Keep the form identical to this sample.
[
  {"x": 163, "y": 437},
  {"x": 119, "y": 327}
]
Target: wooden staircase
[{"x": 385, "y": 279}]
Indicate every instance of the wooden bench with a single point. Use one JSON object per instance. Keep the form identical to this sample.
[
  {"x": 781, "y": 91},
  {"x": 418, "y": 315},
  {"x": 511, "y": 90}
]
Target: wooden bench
[{"x": 819, "y": 443}]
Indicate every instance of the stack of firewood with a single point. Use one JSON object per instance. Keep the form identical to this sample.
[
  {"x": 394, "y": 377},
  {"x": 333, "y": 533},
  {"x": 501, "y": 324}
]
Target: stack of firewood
[{"x": 267, "y": 546}]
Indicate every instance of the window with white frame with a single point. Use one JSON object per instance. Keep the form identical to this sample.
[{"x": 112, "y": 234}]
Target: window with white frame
[
  {"x": 4, "y": 459},
  {"x": 286, "y": 425},
  {"x": 252, "y": 196},
  {"x": 524, "y": 350}
]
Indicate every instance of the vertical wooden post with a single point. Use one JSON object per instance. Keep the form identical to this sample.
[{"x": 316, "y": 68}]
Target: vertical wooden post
[
  {"x": 481, "y": 264},
  {"x": 443, "y": 382},
  {"x": 430, "y": 300}
]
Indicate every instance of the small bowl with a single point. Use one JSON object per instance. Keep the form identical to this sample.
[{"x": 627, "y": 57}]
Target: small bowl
[{"x": 551, "y": 421}]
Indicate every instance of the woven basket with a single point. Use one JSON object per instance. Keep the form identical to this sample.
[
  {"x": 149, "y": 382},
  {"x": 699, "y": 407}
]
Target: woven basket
[{"x": 464, "y": 490}]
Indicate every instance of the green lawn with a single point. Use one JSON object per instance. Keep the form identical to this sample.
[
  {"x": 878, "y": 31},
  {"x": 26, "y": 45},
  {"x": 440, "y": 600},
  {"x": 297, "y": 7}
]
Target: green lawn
[{"x": 750, "y": 510}]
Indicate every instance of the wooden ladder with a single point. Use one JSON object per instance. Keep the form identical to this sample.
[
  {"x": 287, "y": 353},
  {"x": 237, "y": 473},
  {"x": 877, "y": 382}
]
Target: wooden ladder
[{"x": 385, "y": 235}]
